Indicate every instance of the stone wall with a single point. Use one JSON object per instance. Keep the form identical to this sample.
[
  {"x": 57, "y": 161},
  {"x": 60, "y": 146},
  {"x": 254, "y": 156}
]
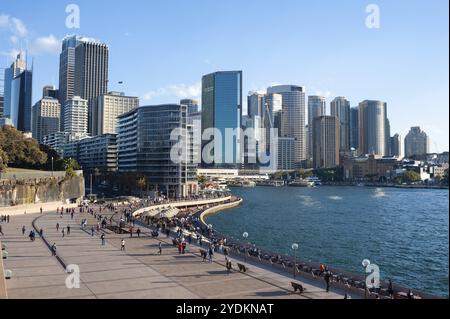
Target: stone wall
[{"x": 41, "y": 190}]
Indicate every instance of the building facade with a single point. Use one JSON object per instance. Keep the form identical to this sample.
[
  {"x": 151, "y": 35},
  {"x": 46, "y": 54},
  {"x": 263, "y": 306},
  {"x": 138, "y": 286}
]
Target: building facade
[
  {"x": 340, "y": 108},
  {"x": 396, "y": 146},
  {"x": 105, "y": 110},
  {"x": 317, "y": 106},
  {"x": 46, "y": 118},
  {"x": 417, "y": 142},
  {"x": 326, "y": 142},
  {"x": 145, "y": 146},
  {"x": 372, "y": 127},
  {"x": 222, "y": 111},
  {"x": 354, "y": 128},
  {"x": 76, "y": 116},
  {"x": 293, "y": 124}
]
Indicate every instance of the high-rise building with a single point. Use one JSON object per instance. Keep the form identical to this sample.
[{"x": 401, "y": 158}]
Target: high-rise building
[
  {"x": 326, "y": 142},
  {"x": 222, "y": 111},
  {"x": 91, "y": 72},
  {"x": 50, "y": 91},
  {"x": 2, "y": 91},
  {"x": 387, "y": 134},
  {"x": 372, "y": 127},
  {"x": 316, "y": 107},
  {"x": 396, "y": 146},
  {"x": 255, "y": 105},
  {"x": 192, "y": 105},
  {"x": 46, "y": 117},
  {"x": 417, "y": 142},
  {"x": 1, "y": 105},
  {"x": 56, "y": 141},
  {"x": 286, "y": 153},
  {"x": 354, "y": 128},
  {"x": 145, "y": 146},
  {"x": 76, "y": 116},
  {"x": 340, "y": 108},
  {"x": 18, "y": 94},
  {"x": 293, "y": 124},
  {"x": 105, "y": 110}
]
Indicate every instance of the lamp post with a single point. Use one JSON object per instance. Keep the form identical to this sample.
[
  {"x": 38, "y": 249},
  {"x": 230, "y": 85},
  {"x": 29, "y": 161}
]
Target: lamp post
[
  {"x": 295, "y": 248},
  {"x": 52, "y": 166},
  {"x": 245, "y": 235},
  {"x": 365, "y": 264}
]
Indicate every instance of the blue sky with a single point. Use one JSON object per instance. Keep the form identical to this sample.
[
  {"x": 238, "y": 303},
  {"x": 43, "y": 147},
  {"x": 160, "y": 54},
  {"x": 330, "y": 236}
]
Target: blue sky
[{"x": 160, "y": 49}]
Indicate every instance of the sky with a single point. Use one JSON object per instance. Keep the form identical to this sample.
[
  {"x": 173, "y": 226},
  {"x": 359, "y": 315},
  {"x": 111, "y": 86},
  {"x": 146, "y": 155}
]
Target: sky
[{"x": 160, "y": 49}]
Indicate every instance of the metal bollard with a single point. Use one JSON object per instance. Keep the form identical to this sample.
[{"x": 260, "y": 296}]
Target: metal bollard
[{"x": 8, "y": 274}]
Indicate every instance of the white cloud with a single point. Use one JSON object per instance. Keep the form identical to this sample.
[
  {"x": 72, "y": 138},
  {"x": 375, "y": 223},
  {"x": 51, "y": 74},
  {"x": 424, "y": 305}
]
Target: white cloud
[
  {"x": 13, "y": 25},
  {"x": 11, "y": 54},
  {"x": 179, "y": 91},
  {"x": 49, "y": 44}
]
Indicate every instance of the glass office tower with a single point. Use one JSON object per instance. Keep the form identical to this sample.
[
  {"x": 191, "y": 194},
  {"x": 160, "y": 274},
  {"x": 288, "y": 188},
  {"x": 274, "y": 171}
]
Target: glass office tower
[{"x": 222, "y": 110}]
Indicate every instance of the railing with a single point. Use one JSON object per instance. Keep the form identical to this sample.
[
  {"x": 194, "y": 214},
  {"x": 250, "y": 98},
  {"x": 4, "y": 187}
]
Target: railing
[{"x": 3, "y": 292}]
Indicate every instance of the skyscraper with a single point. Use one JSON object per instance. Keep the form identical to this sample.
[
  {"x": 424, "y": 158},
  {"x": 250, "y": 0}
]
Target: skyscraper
[
  {"x": 18, "y": 94},
  {"x": 417, "y": 142},
  {"x": 372, "y": 127},
  {"x": 354, "y": 128},
  {"x": 293, "y": 118},
  {"x": 326, "y": 142},
  {"x": 76, "y": 116},
  {"x": 255, "y": 105},
  {"x": 340, "y": 108},
  {"x": 316, "y": 107},
  {"x": 46, "y": 117},
  {"x": 91, "y": 72},
  {"x": 396, "y": 146},
  {"x": 50, "y": 91},
  {"x": 105, "y": 110},
  {"x": 222, "y": 110},
  {"x": 192, "y": 105}
]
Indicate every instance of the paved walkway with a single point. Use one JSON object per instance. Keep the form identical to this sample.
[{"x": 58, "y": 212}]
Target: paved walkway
[{"x": 106, "y": 272}]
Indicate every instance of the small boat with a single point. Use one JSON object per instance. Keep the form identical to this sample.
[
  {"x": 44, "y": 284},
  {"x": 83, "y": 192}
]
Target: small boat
[{"x": 301, "y": 183}]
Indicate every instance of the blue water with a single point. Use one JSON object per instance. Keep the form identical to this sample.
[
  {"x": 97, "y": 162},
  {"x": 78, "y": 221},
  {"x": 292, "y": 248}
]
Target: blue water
[{"x": 404, "y": 231}]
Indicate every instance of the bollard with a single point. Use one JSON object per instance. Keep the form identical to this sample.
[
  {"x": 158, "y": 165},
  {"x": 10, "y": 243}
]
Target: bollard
[
  {"x": 5, "y": 254},
  {"x": 3, "y": 246}
]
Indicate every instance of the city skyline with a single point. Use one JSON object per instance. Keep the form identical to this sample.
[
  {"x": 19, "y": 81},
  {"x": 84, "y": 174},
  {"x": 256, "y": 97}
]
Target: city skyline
[{"x": 388, "y": 74}]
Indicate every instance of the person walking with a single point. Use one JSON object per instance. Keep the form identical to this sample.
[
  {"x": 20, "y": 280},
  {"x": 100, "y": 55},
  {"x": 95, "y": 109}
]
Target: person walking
[
  {"x": 92, "y": 231},
  {"x": 1, "y": 230},
  {"x": 57, "y": 227},
  {"x": 54, "y": 249},
  {"x": 103, "y": 239},
  {"x": 63, "y": 231},
  {"x": 41, "y": 233},
  {"x": 160, "y": 248},
  {"x": 23, "y": 230},
  {"x": 138, "y": 232},
  {"x": 122, "y": 245},
  {"x": 68, "y": 230},
  {"x": 390, "y": 289},
  {"x": 327, "y": 278},
  {"x": 228, "y": 266},
  {"x": 210, "y": 254}
]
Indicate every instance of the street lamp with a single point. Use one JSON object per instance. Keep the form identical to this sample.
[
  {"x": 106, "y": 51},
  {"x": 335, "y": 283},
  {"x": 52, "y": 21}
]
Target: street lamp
[
  {"x": 295, "y": 248},
  {"x": 52, "y": 166},
  {"x": 365, "y": 264},
  {"x": 245, "y": 235}
]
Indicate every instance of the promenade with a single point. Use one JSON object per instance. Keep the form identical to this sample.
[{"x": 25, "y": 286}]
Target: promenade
[{"x": 139, "y": 272}]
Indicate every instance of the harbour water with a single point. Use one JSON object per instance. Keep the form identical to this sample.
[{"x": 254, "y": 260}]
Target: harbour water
[{"x": 404, "y": 231}]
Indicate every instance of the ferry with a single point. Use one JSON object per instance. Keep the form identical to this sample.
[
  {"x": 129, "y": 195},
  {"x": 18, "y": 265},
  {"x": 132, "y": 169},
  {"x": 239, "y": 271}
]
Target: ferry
[{"x": 301, "y": 183}]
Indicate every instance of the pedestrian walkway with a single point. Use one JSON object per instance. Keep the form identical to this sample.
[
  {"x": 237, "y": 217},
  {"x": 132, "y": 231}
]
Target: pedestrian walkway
[{"x": 139, "y": 272}]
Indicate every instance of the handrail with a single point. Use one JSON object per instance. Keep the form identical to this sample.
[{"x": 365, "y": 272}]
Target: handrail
[{"x": 3, "y": 291}]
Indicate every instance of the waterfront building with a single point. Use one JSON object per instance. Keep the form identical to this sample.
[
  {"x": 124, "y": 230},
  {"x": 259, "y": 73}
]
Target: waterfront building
[
  {"x": 372, "y": 127},
  {"x": 293, "y": 123},
  {"x": 326, "y": 142},
  {"x": 340, "y": 108},
  {"x": 145, "y": 146},
  {"x": 94, "y": 153},
  {"x": 91, "y": 72},
  {"x": 371, "y": 168},
  {"x": 286, "y": 154},
  {"x": 354, "y": 128},
  {"x": 56, "y": 141},
  {"x": 417, "y": 143},
  {"x": 105, "y": 110},
  {"x": 316, "y": 108},
  {"x": 222, "y": 110},
  {"x": 46, "y": 117},
  {"x": 18, "y": 94},
  {"x": 76, "y": 116},
  {"x": 396, "y": 146}
]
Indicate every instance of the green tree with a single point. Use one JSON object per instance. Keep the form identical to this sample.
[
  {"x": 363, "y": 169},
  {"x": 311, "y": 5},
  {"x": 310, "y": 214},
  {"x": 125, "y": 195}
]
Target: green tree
[{"x": 410, "y": 177}]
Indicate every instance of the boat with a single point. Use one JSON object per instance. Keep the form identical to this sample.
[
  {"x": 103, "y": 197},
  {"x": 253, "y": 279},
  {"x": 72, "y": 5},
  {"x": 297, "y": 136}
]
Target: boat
[
  {"x": 301, "y": 183},
  {"x": 271, "y": 183}
]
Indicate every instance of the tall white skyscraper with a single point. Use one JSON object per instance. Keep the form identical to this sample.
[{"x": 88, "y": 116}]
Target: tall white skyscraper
[
  {"x": 76, "y": 116},
  {"x": 294, "y": 118}
]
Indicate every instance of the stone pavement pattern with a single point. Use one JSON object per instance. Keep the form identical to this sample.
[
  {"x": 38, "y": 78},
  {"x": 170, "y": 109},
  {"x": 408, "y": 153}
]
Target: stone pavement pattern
[{"x": 139, "y": 272}]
